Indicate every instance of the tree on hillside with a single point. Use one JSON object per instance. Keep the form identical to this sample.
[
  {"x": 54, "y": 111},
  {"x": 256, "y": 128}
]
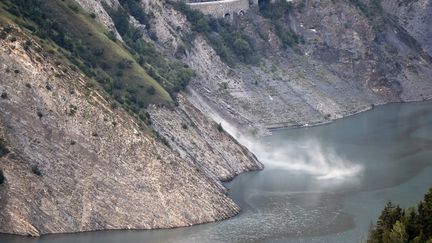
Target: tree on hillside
[{"x": 395, "y": 225}]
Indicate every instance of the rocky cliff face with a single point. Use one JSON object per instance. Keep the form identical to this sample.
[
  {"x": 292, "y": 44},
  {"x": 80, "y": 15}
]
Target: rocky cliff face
[
  {"x": 353, "y": 55},
  {"x": 344, "y": 66},
  {"x": 415, "y": 17},
  {"x": 203, "y": 142},
  {"x": 71, "y": 162}
]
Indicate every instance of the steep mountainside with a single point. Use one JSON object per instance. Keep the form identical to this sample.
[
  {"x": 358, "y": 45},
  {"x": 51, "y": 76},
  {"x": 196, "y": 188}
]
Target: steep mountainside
[
  {"x": 72, "y": 159},
  {"x": 415, "y": 17},
  {"x": 113, "y": 112},
  {"x": 349, "y": 56},
  {"x": 328, "y": 60}
]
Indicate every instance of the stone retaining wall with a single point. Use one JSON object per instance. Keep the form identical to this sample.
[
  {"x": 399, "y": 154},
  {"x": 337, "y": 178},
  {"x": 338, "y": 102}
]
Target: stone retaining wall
[{"x": 224, "y": 8}]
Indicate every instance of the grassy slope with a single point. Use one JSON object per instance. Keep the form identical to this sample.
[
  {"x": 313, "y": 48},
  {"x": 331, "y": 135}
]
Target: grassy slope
[
  {"x": 81, "y": 24},
  {"x": 82, "y": 27}
]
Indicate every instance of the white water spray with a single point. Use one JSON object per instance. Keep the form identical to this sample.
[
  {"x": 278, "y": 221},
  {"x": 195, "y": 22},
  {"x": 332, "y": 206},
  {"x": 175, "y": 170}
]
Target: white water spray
[{"x": 308, "y": 157}]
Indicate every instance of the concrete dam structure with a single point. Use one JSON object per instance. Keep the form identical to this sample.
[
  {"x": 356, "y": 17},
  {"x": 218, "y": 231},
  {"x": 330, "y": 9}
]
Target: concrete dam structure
[{"x": 224, "y": 8}]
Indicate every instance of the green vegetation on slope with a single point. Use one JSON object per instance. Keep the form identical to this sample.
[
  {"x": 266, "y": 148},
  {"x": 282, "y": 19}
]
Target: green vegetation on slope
[
  {"x": 91, "y": 49},
  {"x": 229, "y": 41},
  {"x": 373, "y": 12},
  {"x": 277, "y": 13},
  {"x": 371, "y": 9},
  {"x": 172, "y": 75},
  {"x": 409, "y": 225}
]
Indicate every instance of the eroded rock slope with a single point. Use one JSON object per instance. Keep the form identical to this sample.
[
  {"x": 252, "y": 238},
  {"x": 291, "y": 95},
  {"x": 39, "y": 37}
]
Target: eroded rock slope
[
  {"x": 74, "y": 163},
  {"x": 353, "y": 55}
]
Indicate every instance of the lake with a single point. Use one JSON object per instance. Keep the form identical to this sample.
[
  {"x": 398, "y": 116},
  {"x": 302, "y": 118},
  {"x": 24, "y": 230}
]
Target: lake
[{"x": 321, "y": 184}]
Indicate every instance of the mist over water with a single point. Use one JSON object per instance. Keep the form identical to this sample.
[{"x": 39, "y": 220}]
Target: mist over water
[
  {"x": 309, "y": 172},
  {"x": 309, "y": 157}
]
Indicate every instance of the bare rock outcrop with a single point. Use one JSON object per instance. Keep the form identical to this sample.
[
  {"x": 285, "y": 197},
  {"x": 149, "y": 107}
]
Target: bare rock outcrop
[
  {"x": 415, "y": 17},
  {"x": 202, "y": 141},
  {"x": 76, "y": 164},
  {"x": 348, "y": 62}
]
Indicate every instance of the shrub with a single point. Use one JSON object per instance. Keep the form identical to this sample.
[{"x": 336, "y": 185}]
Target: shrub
[
  {"x": 219, "y": 127},
  {"x": 3, "y": 35},
  {"x": 153, "y": 35},
  {"x": 39, "y": 114},
  {"x": 35, "y": 169},
  {"x": 72, "y": 110},
  {"x": 242, "y": 48},
  {"x": 114, "y": 105},
  {"x": 201, "y": 25},
  {"x": 4, "y": 95},
  {"x": 2, "y": 178},
  {"x": 3, "y": 147},
  {"x": 373, "y": 11},
  {"x": 287, "y": 36},
  {"x": 98, "y": 52},
  {"x": 184, "y": 126},
  {"x": 135, "y": 9},
  {"x": 93, "y": 15},
  {"x": 111, "y": 35},
  {"x": 145, "y": 117},
  {"x": 161, "y": 138},
  {"x": 151, "y": 90},
  {"x": 8, "y": 29},
  {"x": 275, "y": 10},
  {"x": 224, "y": 85},
  {"x": 124, "y": 63},
  {"x": 74, "y": 7}
]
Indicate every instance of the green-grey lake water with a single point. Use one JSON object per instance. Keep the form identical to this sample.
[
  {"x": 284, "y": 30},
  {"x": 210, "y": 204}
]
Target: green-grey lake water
[{"x": 321, "y": 184}]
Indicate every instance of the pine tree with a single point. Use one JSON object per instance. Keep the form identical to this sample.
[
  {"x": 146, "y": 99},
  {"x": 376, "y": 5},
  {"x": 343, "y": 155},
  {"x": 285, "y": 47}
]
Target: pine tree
[
  {"x": 398, "y": 234},
  {"x": 388, "y": 217},
  {"x": 425, "y": 215}
]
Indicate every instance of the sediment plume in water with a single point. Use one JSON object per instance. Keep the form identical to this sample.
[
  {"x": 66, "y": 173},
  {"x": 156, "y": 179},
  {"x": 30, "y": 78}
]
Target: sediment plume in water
[{"x": 309, "y": 157}]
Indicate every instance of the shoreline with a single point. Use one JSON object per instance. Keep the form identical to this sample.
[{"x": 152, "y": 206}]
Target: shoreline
[{"x": 371, "y": 107}]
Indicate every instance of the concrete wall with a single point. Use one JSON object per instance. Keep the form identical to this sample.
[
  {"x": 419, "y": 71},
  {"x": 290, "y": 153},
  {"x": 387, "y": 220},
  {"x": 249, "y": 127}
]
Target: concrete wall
[{"x": 224, "y": 8}]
